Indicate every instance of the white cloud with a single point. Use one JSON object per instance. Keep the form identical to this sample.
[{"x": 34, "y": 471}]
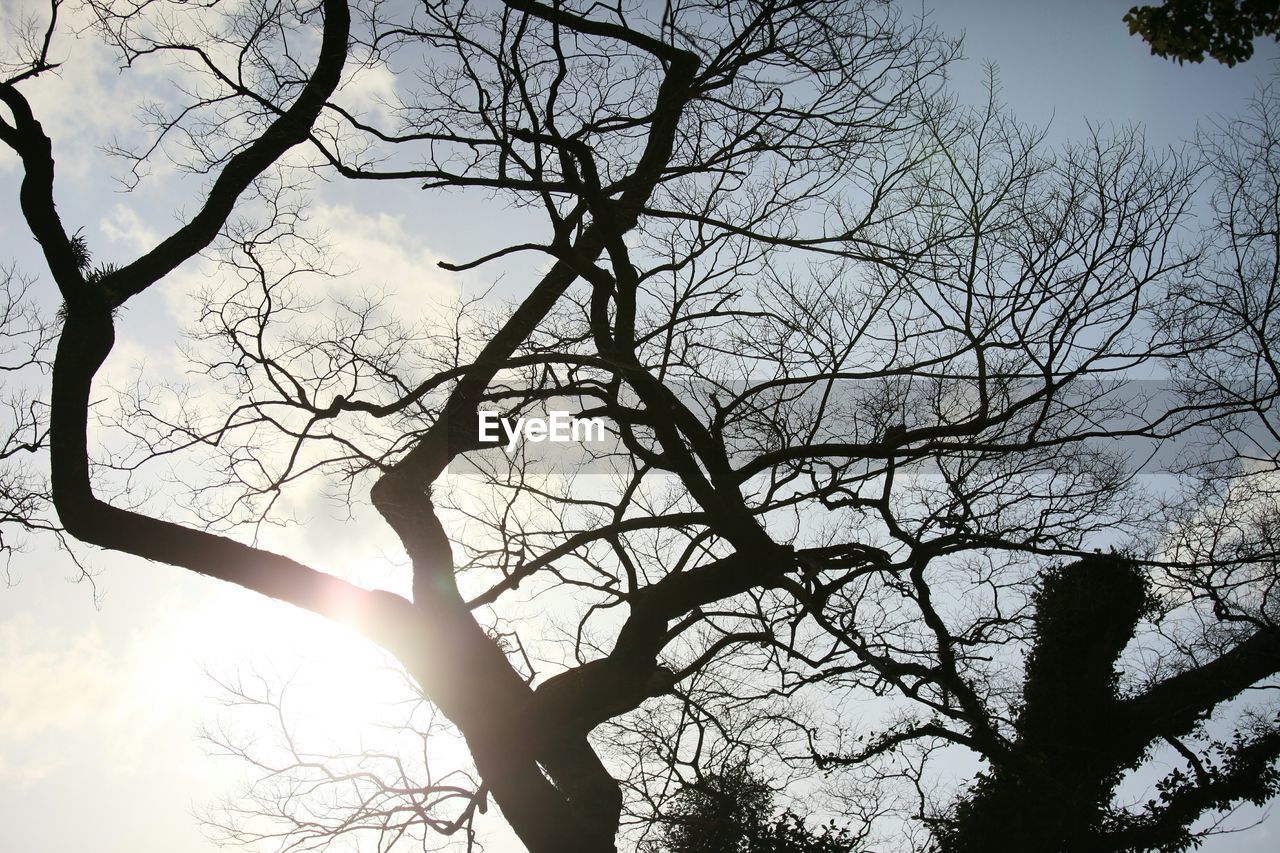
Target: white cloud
[
  {"x": 123, "y": 225},
  {"x": 370, "y": 92},
  {"x": 50, "y": 686},
  {"x": 385, "y": 257},
  {"x": 84, "y": 102}
]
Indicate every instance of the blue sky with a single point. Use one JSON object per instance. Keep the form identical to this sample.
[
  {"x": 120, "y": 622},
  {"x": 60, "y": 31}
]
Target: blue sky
[{"x": 100, "y": 705}]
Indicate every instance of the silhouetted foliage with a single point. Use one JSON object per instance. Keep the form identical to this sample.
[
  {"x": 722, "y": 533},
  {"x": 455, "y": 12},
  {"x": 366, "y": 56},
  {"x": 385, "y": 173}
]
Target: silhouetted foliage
[
  {"x": 1052, "y": 788},
  {"x": 733, "y": 812},
  {"x": 1187, "y": 30}
]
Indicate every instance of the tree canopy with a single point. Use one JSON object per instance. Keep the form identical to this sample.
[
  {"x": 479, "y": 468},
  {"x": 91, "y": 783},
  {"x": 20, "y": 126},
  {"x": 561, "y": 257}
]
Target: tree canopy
[{"x": 1187, "y": 30}]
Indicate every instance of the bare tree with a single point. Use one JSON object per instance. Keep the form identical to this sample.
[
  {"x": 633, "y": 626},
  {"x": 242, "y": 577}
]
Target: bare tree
[
  {"x": 25, "y": 338},
  {"x": 868, "y": 356}
]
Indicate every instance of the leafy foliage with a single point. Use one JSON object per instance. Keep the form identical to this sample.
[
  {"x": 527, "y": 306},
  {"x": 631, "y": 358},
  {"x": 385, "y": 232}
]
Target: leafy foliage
[
  {"x": 1186, "y": 30},
  {"x": 733, "y": 812}
]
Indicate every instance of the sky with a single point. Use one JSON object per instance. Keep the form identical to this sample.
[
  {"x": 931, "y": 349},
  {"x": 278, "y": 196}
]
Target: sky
[{"x": 102, "y": 697}]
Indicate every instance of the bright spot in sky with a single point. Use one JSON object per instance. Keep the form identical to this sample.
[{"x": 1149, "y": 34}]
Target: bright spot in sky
[{"x": 337, "y": 688}]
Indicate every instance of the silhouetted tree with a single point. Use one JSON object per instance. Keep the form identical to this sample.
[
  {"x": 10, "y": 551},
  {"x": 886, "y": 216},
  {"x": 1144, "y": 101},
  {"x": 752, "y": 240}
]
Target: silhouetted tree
[
  {"x": 1053, "y": 785},
  {"x": 871, "y": 359}
]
